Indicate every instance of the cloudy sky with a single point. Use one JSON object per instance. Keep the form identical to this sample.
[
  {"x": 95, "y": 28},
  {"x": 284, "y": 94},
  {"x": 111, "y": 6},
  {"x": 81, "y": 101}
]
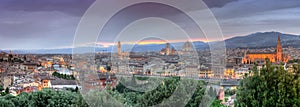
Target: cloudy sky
[{"x": 35, "y": 24}]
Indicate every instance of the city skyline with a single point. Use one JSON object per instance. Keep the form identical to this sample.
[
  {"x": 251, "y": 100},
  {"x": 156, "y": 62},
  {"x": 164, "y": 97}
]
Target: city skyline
[{"x": 140, "y": 53}]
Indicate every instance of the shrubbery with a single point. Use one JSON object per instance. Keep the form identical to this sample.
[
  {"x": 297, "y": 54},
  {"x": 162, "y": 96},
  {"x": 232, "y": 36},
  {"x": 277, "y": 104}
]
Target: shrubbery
[{"x": 272, "y": 86}]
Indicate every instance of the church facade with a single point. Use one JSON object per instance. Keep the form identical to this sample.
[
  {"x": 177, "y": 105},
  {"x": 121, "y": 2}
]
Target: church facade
[{"x": 276, "y": 56}]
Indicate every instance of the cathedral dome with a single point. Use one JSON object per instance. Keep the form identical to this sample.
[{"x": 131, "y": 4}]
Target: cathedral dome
[{"x": 187, "y": 46}]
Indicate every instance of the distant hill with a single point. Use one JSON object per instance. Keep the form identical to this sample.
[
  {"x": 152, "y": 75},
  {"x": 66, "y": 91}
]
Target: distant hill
[
  {"x": 41, "y": 51},
  {"x": 255, "y": 40},
  {"x": 158, "y": 47},
  {"x": 263, "y": 39}
]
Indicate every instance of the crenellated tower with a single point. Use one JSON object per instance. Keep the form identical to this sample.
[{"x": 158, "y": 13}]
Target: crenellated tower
[{"x": 119, "y": 49}]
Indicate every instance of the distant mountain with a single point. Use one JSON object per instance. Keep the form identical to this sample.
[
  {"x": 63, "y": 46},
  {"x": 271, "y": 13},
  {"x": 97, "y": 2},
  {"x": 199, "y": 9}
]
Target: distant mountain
[
  {"x": 255, "y": 40},
  {"x": 158, "y": 47},
  {"x": 263, "y": 39},
  {"x": 41, "y": 51}
]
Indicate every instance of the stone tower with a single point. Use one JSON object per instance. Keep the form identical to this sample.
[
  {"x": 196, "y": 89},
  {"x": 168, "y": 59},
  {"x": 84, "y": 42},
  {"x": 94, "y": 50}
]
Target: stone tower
[
  {"x": 168, "y": 49},
  {"x": 279, "y": 51},
  {"x": 173, "y": 51},
  {"x": 119, "y": 48}
]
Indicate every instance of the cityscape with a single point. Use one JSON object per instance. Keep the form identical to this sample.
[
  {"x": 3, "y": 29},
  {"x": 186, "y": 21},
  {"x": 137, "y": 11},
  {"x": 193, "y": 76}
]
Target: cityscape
[{"x": 246, "y": 67}]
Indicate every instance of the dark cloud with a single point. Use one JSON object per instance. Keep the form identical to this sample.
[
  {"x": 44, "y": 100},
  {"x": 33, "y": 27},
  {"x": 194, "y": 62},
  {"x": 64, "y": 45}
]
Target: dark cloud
[
  {"x": 145, "y": 10},
  {"x": 248, "y": 16},
  {"x": 39, "y": 23},
  {"x": 217, "y": 3},
  {"x": 74, "y": 7},
  {"x": 248, "y": 8},
  {"x": 52, "y": 23}
]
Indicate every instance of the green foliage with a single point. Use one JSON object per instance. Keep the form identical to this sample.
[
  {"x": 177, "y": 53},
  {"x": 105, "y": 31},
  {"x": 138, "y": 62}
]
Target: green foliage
[
  {"x": 293, "y": 61},
  {"x": 142, "y": 78},
  {"x": 17, "y": 60},
  {"x": 1, "y": 88},
  {"x": 2, "y": 93},
  {"x": 6, "y": 103},
  {"x": 272, "y": 86},
  {"x": 163, "y": 94},
  {"x": 209, "y": 98},
  {"x": 230, "y": 92},
  {"x": 105, "y": 98},
  {"x": 76, "y": 89},
  {"x": 7, "y": 90},
  {"x": 197, "y": 96},
  {"x": 63, "y": 76},
  {"x": 164, "y": 91},
  {"x": 21, "y": 100},
  {"x": 212, "y": 92},
  {"x": 44, "y": 98},
  {"x": 217, "y": 103}
]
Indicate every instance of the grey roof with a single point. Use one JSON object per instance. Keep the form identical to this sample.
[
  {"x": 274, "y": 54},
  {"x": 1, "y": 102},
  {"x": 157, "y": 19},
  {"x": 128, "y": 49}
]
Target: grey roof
[{"x": 63, "y": 82}]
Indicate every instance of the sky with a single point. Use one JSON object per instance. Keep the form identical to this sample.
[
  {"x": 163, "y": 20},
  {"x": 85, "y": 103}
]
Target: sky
[{"x": 40, "y": 24}]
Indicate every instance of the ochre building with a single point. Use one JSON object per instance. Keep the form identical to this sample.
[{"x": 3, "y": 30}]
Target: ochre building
[{"x": 276, "y": 56}]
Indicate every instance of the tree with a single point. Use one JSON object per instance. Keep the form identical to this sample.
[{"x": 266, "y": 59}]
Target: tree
[
  {"x": 64, "y": 76},
  {"x": 162, "y": 94},
  {"x": 21, "y": 100},
  {"x": 7, "y": 90},
  {"x": 271, "y": 86},
  {"x": 195, "y": 101},
  {"x": 76, "y": 89},
  {"x": 1, "y": 88},
  {"x": 6, "y": 103},
  {"x": 116, "y": 97},
  {"x": 217, "y": 103},
  {"x": 44, "y": 98},
  {"x": 230, "y": 92}
]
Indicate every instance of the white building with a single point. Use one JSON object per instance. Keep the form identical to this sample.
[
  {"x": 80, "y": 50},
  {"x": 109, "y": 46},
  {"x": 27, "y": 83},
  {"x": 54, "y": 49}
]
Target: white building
[{"x": 64, "y": 84}]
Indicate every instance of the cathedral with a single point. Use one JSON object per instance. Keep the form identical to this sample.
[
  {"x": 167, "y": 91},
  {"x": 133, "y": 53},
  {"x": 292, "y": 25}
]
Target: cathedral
[
  {"x": 276, "y": 56},
  {"x": 167, "y": 50}
]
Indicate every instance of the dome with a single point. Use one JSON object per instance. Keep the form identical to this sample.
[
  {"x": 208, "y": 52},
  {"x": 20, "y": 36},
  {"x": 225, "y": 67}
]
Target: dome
[{"x": 187, "y": 46}]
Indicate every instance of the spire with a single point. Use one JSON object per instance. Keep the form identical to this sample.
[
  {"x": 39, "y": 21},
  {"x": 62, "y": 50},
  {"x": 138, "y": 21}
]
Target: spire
[
  {"x": 279, "y": 47},
  {"x": 278, "y": 41},
  {"x": 279, "y": 51}
]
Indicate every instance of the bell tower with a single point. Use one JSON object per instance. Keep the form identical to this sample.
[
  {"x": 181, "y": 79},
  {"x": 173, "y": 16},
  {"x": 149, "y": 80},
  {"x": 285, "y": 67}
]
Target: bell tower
[
  {"x": 119, "y": 48},
  {"x": 279, "y": 51}
]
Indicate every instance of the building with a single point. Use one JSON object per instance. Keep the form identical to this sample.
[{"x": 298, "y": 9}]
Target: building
[
  {"x": 192, "y": 70},
  {"x": 120, "y": 54},
  {"x": 63, "y": 84},
  {"x": 167, "y": 50},
  {"x": 119, "y": 49},
  {"x": 257, "y": 57},
  {"x": 221, "y": 95},
  {"x": 241, "y": 72},
  {"x": 188, "y": 47},
  {"x": 27, "y": 89},
  {"x": 173, "y": 51},
  {"x": 188, "y": 54},
  {"x": 29, "y": 66},
  {"x": 229, "y": 73}
]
